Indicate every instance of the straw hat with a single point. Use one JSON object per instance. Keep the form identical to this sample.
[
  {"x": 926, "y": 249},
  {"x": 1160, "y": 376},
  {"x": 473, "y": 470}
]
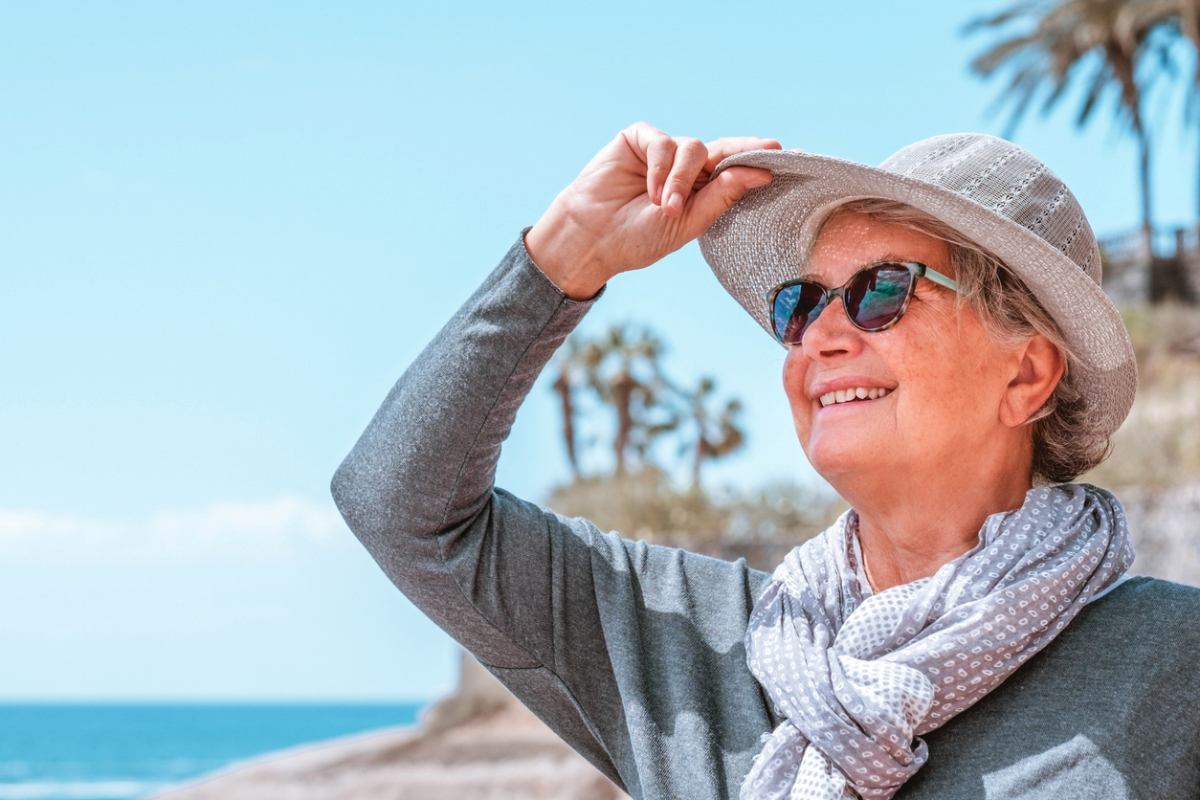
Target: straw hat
[{"x": 992, "y": 191}]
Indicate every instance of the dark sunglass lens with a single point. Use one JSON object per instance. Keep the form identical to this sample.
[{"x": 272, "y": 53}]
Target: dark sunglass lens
[
  {"x": 875, "y": 297},
  {"x": 796, "y": 306}
]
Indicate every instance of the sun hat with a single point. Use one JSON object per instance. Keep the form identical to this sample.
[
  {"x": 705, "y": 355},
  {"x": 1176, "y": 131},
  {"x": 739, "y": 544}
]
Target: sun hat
[{"x": 988, "y": 189}]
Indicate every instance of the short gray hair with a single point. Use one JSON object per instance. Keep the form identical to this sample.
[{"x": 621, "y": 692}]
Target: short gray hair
[{"x": 1064, "y": 446}]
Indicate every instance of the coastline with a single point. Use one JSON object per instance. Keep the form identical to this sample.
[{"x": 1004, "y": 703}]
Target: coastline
[{"x": 477, "y": 742}]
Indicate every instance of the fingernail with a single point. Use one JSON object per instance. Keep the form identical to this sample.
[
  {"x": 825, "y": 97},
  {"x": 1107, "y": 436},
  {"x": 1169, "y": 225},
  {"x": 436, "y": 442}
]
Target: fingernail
[{"x": 675, "y": 203}]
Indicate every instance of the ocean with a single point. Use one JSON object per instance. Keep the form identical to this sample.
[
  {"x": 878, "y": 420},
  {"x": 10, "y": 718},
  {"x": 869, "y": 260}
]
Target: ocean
[{"x": 95, "y": 751}]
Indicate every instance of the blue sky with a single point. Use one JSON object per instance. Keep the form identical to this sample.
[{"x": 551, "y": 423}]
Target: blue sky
[{"x": 225, "y": 229}]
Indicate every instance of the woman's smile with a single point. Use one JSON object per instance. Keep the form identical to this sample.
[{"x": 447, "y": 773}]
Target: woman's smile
[
  {"x": 857, "y": 395},
  {"x": 851, "y": 397},
  {"x": 848, "y": 390}
]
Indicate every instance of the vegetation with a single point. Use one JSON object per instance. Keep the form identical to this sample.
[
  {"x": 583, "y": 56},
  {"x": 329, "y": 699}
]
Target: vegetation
[
  {"x": 619, "y": 375},
  {"x": 760, "y": 526},
  {"x": 1159, "y": 444}
]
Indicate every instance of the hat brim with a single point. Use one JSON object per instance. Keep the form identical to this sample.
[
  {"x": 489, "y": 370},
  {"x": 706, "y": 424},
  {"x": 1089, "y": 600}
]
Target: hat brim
[{"x": 767, "y": 237}]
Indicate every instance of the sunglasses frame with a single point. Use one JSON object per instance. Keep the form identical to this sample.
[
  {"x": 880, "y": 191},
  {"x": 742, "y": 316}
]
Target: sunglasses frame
[{"x": 916, "y": 271}]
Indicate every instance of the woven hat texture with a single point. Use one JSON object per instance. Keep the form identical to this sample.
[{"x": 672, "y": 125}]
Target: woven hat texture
[{"x": 994, "y": 192}]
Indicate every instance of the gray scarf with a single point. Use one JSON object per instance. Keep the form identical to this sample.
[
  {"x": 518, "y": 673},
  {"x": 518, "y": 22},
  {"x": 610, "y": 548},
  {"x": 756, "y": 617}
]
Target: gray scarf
[{"x": 858, "y": 677}]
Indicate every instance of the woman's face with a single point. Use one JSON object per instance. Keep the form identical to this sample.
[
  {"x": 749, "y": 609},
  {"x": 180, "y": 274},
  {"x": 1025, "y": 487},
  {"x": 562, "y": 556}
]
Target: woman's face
[{"x": 942, "y": 376}]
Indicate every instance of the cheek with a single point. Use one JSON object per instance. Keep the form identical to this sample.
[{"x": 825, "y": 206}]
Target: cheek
[
  {"x": 953, "y": 391},
  {"x": 795, "y": 368}
]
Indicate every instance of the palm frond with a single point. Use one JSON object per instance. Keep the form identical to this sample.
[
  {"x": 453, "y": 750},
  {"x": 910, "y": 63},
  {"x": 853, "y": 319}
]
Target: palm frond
[
  {"x": 1002, "y": 18},
  {"x": 1020, "y": 92},
  {"x": 1059, "y": 87},
  {"x": 1101, "y": 80},
  {"x": 990, "y": 60}
]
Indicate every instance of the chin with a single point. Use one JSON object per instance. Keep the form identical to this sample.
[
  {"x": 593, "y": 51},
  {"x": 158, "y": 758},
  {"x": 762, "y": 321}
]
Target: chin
[{"x": 832, "y": 459}]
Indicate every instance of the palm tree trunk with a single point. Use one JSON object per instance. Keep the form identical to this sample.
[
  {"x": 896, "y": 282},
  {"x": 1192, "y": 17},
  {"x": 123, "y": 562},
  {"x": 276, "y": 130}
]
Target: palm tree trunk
[
  {"x": 1190, "y": 20},
  {"x": 1196, "y": 113},
  {"x": 562, "y": 386},
  {"x": 1144, "y": 180},
  {"x": 622, "y": 394},
  {"x": 1120, "y": 56}
]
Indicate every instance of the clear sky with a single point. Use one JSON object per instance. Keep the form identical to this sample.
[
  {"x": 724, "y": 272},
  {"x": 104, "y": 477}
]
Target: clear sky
[{"x": 226, "y": 228}]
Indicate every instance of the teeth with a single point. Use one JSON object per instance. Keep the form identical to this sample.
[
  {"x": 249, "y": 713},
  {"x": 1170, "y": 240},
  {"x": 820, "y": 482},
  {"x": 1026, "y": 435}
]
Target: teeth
[{"x": 846, "y": 395}]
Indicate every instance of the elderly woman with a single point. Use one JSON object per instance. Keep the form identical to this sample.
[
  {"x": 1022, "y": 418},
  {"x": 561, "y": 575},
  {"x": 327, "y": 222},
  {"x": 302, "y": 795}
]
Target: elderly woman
[{"x": 966, "y": 630}]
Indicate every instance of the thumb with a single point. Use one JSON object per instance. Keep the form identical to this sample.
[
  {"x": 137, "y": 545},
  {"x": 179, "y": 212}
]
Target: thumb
[{"x": 720, "y": 195}]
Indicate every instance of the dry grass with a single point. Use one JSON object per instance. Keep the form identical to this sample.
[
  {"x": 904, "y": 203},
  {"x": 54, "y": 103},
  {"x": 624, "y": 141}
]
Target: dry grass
[
  {"x": 760, "y": 526},
  {"x": 1159, "y": 444},
  {"x": 1155, "y": 464}
]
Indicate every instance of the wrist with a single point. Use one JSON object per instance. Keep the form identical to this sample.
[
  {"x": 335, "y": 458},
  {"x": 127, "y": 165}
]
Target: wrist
[{"x": 556, "y": 246}]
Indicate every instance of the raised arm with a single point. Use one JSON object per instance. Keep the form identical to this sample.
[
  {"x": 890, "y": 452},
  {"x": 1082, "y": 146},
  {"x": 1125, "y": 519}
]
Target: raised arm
[
  {"x": 423, "y": 470},
  {"x": 563, "y": 614}
]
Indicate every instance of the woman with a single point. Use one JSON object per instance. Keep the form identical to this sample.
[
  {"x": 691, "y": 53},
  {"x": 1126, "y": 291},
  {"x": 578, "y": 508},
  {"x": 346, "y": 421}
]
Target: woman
[{"x": 957, "y": 634}]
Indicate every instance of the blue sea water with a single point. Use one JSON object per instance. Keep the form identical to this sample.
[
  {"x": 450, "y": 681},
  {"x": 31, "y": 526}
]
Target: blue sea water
[{"x": 126, "y": 751}]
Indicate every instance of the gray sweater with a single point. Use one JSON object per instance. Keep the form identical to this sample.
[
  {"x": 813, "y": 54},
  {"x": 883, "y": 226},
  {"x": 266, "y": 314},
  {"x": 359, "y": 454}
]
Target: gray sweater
[{"x": 633, "y": 652}]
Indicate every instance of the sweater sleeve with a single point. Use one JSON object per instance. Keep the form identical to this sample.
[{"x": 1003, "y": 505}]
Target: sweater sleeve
[{"x": 632, "y": 653}]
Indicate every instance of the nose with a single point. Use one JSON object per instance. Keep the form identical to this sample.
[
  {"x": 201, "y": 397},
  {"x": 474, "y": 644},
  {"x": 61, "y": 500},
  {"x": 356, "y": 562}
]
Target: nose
[{"x": 831, "y": 334}]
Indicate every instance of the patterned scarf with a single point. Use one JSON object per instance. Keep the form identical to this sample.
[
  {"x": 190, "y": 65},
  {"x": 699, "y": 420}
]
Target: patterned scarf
[{"x": 859, "y": 677}]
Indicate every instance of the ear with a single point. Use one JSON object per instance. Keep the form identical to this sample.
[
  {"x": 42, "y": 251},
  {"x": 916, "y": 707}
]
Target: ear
[{"x": 1039, "y": 370}]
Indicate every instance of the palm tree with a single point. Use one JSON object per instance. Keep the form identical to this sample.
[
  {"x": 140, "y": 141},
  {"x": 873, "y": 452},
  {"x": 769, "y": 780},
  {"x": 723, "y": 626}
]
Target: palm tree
[
  {"x": 621, "y": 369},
  {"x": 634, "y": 386},
  {"x": 1059, "y": 40},
  {"x": 1175, "y": 19},
  {"x": 569, "y": 360},
  {"x": 718, "y": 433},
  {"x": 1189, "y": 26}
]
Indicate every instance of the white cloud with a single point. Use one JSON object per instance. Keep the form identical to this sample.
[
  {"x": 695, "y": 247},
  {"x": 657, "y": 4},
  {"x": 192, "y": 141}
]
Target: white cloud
[{"x": 224, "y": 531}]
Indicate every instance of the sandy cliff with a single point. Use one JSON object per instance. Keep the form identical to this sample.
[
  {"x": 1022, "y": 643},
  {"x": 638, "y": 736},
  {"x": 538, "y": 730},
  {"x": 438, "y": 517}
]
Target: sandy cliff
[{"x": 476, "y": 744}]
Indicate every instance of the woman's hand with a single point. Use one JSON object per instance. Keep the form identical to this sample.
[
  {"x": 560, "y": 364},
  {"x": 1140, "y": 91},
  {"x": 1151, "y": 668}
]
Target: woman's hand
[{"x": 643, "y": 196}]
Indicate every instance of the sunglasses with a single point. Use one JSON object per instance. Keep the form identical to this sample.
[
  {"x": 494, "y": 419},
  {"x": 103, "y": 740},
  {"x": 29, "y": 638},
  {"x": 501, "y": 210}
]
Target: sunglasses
[{"x": 875, "y": 298}]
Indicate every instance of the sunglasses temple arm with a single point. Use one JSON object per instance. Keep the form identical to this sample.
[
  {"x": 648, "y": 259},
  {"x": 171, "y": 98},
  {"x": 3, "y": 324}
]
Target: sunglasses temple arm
[{"x": 941, "y": 279}]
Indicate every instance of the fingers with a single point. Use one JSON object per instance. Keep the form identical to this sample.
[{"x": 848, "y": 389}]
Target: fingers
[
  {"x": 660, "y": 155},
  {"x": 677, "y": 169},
  {"x": 690, "y": 155},
  {"x": 657, "y": 151},
  {"x": 722, "y": 149},
  {"x": 719, "y": 196}
]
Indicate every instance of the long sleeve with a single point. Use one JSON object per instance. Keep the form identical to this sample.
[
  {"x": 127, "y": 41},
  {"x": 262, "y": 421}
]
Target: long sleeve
[{"x": 633, "y": 653}]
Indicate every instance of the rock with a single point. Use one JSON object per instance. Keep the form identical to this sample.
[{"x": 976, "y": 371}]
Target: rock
[
  {"x": 478, "y": 694},
  {"x": 478, "y": 743},
  {"x": 1165, "y": 527}
]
